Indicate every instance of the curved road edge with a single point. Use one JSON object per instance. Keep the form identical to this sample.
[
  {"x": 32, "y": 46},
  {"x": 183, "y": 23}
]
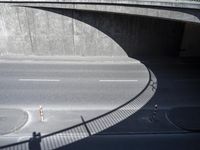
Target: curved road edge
[{"x": 93, "y": 126}]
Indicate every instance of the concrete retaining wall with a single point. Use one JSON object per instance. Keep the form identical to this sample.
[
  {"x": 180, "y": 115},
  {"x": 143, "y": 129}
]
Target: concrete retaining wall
[
  {"x": 55, "y": 31},
  {"x": 32, "y": 31}
]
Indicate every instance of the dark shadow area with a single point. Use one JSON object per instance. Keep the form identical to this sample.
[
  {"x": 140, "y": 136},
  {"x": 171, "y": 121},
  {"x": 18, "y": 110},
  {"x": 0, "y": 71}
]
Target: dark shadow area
[
  {"x": 34, "y": 142},
  {"x": 186, "y": 118},
  {"x": 178, "y": 87},
  {"x": 137, "y": 142}
]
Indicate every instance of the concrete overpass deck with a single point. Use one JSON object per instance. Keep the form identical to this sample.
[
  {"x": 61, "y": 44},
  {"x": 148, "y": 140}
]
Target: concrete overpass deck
[{"x": 186, "y": 11}]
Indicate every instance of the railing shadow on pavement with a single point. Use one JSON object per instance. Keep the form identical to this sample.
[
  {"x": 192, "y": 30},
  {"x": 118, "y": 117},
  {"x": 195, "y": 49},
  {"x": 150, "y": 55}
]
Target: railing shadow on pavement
[{"x": 90, "y": 127}]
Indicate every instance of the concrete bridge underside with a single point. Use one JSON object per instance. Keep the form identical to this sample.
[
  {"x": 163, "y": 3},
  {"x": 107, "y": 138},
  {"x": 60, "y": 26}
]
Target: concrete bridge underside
[{"x": 98, "y": 29}]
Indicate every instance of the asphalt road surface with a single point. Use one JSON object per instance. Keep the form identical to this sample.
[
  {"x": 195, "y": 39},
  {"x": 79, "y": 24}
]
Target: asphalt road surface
[
  {"x": 65, "y": 91},
  {"x": 178, "y": 87}
]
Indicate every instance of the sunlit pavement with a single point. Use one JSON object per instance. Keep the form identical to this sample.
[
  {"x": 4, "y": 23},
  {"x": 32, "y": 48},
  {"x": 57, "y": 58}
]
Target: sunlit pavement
[{"x": 65, "y": 91}]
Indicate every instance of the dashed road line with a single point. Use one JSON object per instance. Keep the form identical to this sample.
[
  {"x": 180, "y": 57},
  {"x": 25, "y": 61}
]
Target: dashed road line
[{"x": 39, "y": 80}]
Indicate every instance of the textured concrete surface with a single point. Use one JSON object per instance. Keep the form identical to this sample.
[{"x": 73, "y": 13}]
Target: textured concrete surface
[
  {"x": 94, "y": 28},
  {"x": 181, "y": 11},
  {"x": 60, "y": 32},
  {"x": 37, "y": 32},
  {"x": 161, "y": 3}
]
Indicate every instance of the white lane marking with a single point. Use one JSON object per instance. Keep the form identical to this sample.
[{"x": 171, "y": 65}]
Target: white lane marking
[
  {"x": 39, "y": 80},
  {"x": 118, "y": 80}
]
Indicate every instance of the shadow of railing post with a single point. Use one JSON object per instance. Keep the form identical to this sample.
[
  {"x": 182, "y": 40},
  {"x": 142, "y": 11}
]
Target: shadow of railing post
[
  {"x": 86, "y": 128},
  {"x": 34, "y": 142}
]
